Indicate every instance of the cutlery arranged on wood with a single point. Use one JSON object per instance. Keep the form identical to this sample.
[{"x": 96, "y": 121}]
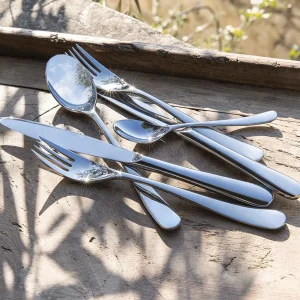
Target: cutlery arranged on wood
[
  {"x": 240, "y": 190},
  {"x": 269, "y": 177},
  {"x": 78, "y": 168},
  {"x": 82, "y": 100},
  {"x": 109, "y": 83},
  {"x": 145, "y": 132},
  {"x": 75, "y": 81}
]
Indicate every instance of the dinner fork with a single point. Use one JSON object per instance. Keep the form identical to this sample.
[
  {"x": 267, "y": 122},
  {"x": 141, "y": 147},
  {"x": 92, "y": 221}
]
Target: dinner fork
[
  {"x": 78, "y": 168},
  {"x": 106, "y": 80}
]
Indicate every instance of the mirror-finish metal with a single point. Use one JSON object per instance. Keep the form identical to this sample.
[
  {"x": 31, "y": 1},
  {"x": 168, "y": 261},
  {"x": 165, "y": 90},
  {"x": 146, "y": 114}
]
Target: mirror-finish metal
[
  {"x": 106, "y": 80},
  {"x": 276, "y": 181},
  {"x": 243, "y": 191},
  {"x": 64, "y": 73},
  {"x": 78, "y": 168},
  {"x": 145, "y": 132},
  {"x": 68, "y": 139}
]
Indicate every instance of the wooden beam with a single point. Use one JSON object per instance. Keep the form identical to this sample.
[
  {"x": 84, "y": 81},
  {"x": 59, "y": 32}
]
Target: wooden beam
[{"x": 193, "y": 63}]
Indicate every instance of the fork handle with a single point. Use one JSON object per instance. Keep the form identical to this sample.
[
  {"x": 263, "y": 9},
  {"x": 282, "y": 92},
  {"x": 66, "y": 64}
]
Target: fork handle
[
  {"x": 240, "y": 190},
  {"x": 262, "y": 218},
  {"x": 160, "y": 211}
]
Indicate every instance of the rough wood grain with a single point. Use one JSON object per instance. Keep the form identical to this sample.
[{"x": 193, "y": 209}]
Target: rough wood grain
[
  {"x": 61, "y": 240},
  {"x": 159, "y": 59}
]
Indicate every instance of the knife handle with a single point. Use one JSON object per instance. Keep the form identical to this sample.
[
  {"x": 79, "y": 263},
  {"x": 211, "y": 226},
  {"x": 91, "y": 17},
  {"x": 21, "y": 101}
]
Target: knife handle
[
  {"x": 160, "y": 211},
  {"x": 240, "y": 190},
  {"x": 274, "y": 180}
]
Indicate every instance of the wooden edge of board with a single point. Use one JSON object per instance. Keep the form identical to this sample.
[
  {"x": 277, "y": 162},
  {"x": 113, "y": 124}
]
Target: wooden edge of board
[{"x": 167, "y": 60}]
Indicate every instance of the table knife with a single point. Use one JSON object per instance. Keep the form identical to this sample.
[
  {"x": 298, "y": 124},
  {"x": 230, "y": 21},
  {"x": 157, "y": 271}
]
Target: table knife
[{"x": 239, "y": 190}]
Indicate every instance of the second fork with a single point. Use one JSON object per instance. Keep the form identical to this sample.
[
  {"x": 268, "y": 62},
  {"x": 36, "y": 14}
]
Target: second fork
[{"x": 78, "y": 168}]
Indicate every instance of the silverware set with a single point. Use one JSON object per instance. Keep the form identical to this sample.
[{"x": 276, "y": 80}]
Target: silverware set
[{"x": 76, "y": 80}]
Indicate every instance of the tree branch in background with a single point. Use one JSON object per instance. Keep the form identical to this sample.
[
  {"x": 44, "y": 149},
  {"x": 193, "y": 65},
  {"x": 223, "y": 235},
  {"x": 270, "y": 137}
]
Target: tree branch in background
[
  {"x": 226, "y": 38},
  {"x": 200, "y": 28}
]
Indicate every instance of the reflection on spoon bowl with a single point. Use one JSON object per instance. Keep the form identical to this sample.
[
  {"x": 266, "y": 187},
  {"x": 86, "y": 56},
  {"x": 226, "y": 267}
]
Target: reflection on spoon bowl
[
  {"x": 140, "y": 131},
  {"x": 145, "y": 132}
]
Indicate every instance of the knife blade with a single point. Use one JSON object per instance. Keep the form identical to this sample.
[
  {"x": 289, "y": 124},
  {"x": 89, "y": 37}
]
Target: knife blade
[{"x": 68, "y": 139}]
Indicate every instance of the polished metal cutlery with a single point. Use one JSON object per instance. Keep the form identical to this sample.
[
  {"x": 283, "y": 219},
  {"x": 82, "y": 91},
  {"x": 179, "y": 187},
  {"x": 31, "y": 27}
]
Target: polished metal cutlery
[
  {"x": 269, "y": 177},
  {"x": 66, "y": 73},
  {"x": 146, "y": 132},
  {"x": 76, "y": 92},
  {"x": 240, "y": 190},
  {"x": 105, "y": 80},
  {"x": 108, "y": 81},
  {"x": 276, "y": 181},
  {"x": 78, "y": 168}
]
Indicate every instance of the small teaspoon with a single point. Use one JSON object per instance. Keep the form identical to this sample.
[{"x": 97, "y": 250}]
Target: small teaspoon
[{"x": 145, "y": 132}]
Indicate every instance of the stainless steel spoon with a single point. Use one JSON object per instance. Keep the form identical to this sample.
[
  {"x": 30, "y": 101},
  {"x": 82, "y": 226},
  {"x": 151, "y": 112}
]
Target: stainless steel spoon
[
  {"x": 145, "y": 132},
  {"x": 73, "y": 88}
]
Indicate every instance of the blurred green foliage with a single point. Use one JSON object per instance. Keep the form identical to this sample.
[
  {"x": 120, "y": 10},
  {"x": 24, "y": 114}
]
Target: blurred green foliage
[
  {"x": 295, "y": 53},
  {"x": 224, "y": 38}
]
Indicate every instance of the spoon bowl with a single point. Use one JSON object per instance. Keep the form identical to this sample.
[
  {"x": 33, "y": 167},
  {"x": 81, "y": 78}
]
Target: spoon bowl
[
  {"x": 71, "y": 84},
  {"x": 140, "y": 131},
  {"x": 146, "y": 132}
]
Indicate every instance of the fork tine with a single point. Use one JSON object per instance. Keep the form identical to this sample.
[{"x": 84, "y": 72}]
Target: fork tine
[
  {"x": 72, "y": 54},
  {"x": 88, "y": 66},
  {"x": 50, "y": 164},
  {"x": 48, "y": 149},
  {"x": 65, "y": 152},
  {"x": 92, "y": 60},
  {"x": 51, "y": 158}
]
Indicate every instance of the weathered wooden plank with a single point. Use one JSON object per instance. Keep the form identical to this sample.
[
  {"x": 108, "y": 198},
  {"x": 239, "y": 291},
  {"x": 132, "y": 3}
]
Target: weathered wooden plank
[
  {"x": 209, "y": 100},
  {"x": 62, "y": 240},
  {"x": 194, "y": 63},
  {"x": 59, "y": 239}
]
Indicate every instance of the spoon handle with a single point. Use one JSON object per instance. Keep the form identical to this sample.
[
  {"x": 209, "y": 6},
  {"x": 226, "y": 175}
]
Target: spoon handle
[
  {"x": 262, "y": 118},
  {"x": 160, "y": 211},
  {"x": 262, "y": 218}
]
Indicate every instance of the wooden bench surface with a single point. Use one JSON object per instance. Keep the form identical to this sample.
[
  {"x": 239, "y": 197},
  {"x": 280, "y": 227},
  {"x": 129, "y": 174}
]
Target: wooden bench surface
[{"x": 63, "y": 240}]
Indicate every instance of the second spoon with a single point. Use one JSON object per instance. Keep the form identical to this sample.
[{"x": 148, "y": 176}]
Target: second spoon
[{"x": 145, "y": 132}]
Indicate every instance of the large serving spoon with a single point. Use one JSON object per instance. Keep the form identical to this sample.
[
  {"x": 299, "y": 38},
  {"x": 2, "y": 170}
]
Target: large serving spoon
[
  {"x": 145, "y": 132},
  {"x": 73, "y": 88}
]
